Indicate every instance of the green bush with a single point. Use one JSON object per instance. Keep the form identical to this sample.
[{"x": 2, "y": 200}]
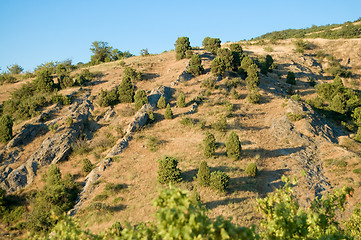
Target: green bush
[
  {"x": 301, "y": 46},
  {"x": 294, "y": 117},
  {"x": 87, "y": 166},
  {"x": 181, "y": 100},
  {"x": 195, "y": 65},
  {"x": 83, "y": 77},
  {"x": 6, "y": 128},
  {"x": 233, "y": 146},
  {"x": 211, "y": 44},
  {"x": 252, "y": 79},
  {"x": 296, "y": 97},
  {"x": 251, "y": 170},
  {"x": 291, "y": 78},
  {"x": 209, "y": 145},
  {"x": 126, "y": 90},
  {"x": 236, "y": 47},
  {"x": 140, "y": 99},
  {"x": 168, "y": 112},
  {"x": 161, "y": 102},
  {"x": 227, "y": 57},
  {"x": 356, "y": 115},
  {"x": 44, "y": 81},
  {"x": 189, "y": 54},
  {"x": 253, "y": 96},
  {"x": 134, "y": 75},
  {"x": 218, "y": 66},
  {"x": 203, "y": 175},
  {"x": 168, "y": 171},
  {"x": 108, "y": 98},
  {"x": 60, "y": 98},
  {"x": 181, "y": 46},
  {"x": 219, "y": 181},
  {"x": 209, "y": 83},
  {"x": 220, "y": 124}
]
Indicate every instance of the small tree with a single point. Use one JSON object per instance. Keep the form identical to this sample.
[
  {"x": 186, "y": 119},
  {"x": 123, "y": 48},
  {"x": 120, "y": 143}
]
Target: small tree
[
  {"x": 226, "y": 55},
  {"x": 338, "y": 81},
  {"x": 251, "y": 170},
  {"x": 15, "y": 69},
  {"x": 233, "y": 146},
  {"x": 126, "y": 90},
  {"x": 102, "y": 52},
  {"x": 168, "y": 171},
  {"x": 161, "y": 102},
  {"x": 211, "y": 44},
  {"x": 209, "y": 145},
  {"x": 236, "y": 47},
  {"x": 219, "y": 181},
  {"x": 87, "y": 166},
  {"x": 181, "y": 101},
  {"x": 6, "y": 128},
  {"x": 203, "y": 175},
  {"x": 44, "y": 81},
  {"x": 291, "y": 78},
  {"x": 140, "y": 99},
  {"x": 168, "y": 112},
  {"x": 195, "y": 65},
  {"x": 246, "y": 62},
  {"x": 181, "y": 46},
  {"x": 253, "y": 96},
  {"x": 218, "y": 66}
]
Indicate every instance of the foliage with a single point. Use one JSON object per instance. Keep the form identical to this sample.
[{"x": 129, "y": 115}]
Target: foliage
[
  {"x": 102, "y": 52},
  {"x": 294, "y": 117},
  {"x": 153, "y": 143},
  {"x": 252, "y": 79},
  {"x": 140, "y": 99},
  {"x": 126, "y": 90},
  {"x": 218, "y": 66},
  {"x": 144, "y": 52},
  {"x": 233, "y": 146},
  {"x": 6, "y": 128},
  {"x": 267, "y": 65},
  {"x": 203, "y": 175},
  {"x": 251, "y": 169},
  {"x": 353, "y": 224},
  {"x": 358, "y": 135},
  {"x": 285, "y": 219},
  {"x": 87, "y": 166},
  {"x": 227, "y": 57},
  {"x": 220, "y": 124},
  {"x": 64, "y": 78},
  {"x": 236, "y": 47},
  {"x": 356, "y": 115},
  {"x": 189, "y": 54},
  {"x": 291, "y": 78},
  {"x": 7, "y": 78},
  {"x": 15, "y": 69},
  {"x": 209, "y": 83},
  {"x": 161, "y": 102},
  {"x": 195, "y": 65},
  {"x": 246, "y": 62},
  {"x": 168, "y": 171},
  {"x": 83, "y": 77},
  {"x": 60, "y": 98},
  {"x": 57, "y": 197},
  {"x": 133, "y": 74},
  {"x": 209, "y": 145},
  {"x": 181, "y": 46},
  {"x": 301, "y": 46},
  {"x": 211, "y": 44},
  {"x": 181, "y": 100},
  {"x": 108, "y": 98},
  {"x": 168, "y": 114},
  {"x": 44, "y": 81},
  {"x": 219, "y": 181}
]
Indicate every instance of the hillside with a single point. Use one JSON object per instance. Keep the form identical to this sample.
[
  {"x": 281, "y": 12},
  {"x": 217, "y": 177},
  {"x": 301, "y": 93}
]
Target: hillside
[{"x": 124, "y": 147}]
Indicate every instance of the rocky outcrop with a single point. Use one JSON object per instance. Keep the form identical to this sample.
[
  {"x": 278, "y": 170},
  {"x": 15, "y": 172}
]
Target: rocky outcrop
[
  {"x": 52, "y": 150},
  {"x": 307, "y": 157}
]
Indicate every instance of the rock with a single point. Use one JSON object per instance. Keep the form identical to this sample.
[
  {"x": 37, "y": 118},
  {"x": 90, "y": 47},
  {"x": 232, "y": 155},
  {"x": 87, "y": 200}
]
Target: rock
[{"x": 156, "y": 93}]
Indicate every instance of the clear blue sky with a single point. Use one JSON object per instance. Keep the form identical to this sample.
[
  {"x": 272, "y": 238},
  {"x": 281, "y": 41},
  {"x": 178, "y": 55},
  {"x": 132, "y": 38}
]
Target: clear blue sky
[{"x": 35, "y": 32}]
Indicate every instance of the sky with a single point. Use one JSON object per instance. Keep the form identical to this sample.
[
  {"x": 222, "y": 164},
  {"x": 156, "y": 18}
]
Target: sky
[{"x": 39, "y": 31}]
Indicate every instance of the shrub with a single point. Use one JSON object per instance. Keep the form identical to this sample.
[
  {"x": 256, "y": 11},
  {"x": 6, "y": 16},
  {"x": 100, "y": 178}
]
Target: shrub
[
  {"x": 219, "y": 181},
  {"x": 15, "y": 69},
  {"x": 209, "y": 145},
  {"x": 153, "y": 143},
  {"x": 195, "y": 65},
  {"x": 220, "y": 124},
  {"x": 132, "y": 74},
  {"x": 168, "y": 171},
  {"x": 337, "y": 81},
  {"x": 252, "y": 79},
  {"x": 168, "y": 112},
  {"x": 358, "y": 135},
  {"x": 203, "y": 175},
  {"x": 195, "y": 197},
  {"x": 140, "y": 99},
  {"x": 144, "y": 52},
  {"x": 189, "y": 54},
  {"x": 62, "y": 99},
  {"x": 6, "y": 128},
  {"x": 83, "y": 77},
  {"x": 236, "y": 47},
  {"x": 87, "y": 166},
  {"x": 209, "y": 83},
  {"x": 69, "y": 121},
  {"x": 101, "y": 52},
  {"x": 356, "y": 115},
  {"x": 291, "y": 78},
  {"x": 294, "y": 117},
  {"x": 126, "y": 90},
  {"x": 233, "y": 146},
  {"x": 108, "y": 98},
  {"x": 296, "y": 97},
  {"x": 44, "y": 81},
  {"x": 246, "y": 62},
  {"x": 211, "y": 44},
  {"x": 181, "y": 46},
  {"x": 253, "y": 96},
  {"x": 218, "y": 66},
  {"x": 251, "y": 170},
  {"x": 338, "y": 104},
  {"x": 161, "y": 102},
  {"x": 301, "y": 46},
  {"x": 181, "y": 101},
  {"x": 227, "y": 57}
]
